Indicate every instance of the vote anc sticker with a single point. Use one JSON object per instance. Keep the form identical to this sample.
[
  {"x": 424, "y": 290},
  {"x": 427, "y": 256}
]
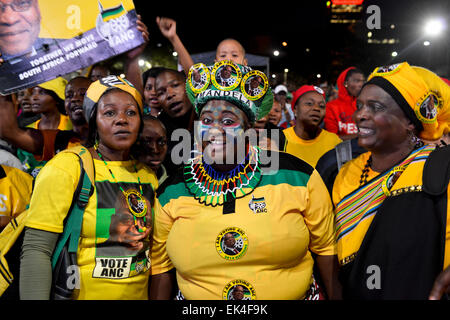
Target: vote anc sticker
[
  {"x": 238, "y": 290},
  {"x": 427, "y": 108},
  {"x": 226, "y": 75},
  {"x": 232, "y": 243},
  {"x": 387, "y": 70},
  {"x": 199, "y": 78},
  {"x": 254, "y": 85}
]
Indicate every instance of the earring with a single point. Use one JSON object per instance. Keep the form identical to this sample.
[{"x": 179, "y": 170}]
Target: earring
[
  {"x": 416, "y": 141},
  {"x": 96, "y": 141}
]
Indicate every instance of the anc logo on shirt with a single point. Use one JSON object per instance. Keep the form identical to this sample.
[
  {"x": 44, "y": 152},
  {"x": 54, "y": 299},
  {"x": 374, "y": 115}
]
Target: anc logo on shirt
[
  {"x": 238, "y": 290},
  {"x": 257, "y": 205},
  {"x": 232, "y": 243}
]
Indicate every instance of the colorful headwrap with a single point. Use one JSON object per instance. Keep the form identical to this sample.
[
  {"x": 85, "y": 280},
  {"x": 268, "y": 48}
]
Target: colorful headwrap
[
  {"x": 421, "y": 94},
  {"x": 101, "y": 86},
  {"x": 246, "y": 88}
]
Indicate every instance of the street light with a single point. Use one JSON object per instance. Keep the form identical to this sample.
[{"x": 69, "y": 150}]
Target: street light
[
  {"x": 434, "y": 27},
  {"x": 276, "y": 53},
  {"x": 426, "y": 43},
  {"x": 394, "y": 54}
]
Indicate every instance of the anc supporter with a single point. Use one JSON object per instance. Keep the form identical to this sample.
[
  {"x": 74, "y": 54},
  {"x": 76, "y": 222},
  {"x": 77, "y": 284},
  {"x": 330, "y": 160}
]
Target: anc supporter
[
  {"x": 152, "y": 146},
  {"x": 270, "y": 136},
  {"x": 287, "y": 114},
  {"x": 231, "y": 49},
  {"x": 177, "y": 111},
  {"x": 15, "y": 192},
  {"x": 26, "y": 115},
  {"x": 392, "y": 218},
  {"x": 152, "y": 104},
  {"x": 168, "y": 28},
  {"x": 113, "y": 256},
  {"x": 39, "y": 146},
  {"x": 307, "y": 140},
  {"x": 227, "y": 49},
  {"x": 338, "y": 116},
  {"x": 47, "y": 99},
  {"x": 275, "y": 214}
]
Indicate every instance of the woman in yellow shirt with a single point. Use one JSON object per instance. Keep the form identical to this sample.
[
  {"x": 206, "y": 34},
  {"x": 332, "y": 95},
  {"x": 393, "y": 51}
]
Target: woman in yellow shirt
[
  {"x": 230, "y": 220},
  {"x": 306, "y": 140},
  {"x": 47, "y": 99},
  {"x": 113, "y": 258},
  {"x": 392, "y": 212}
]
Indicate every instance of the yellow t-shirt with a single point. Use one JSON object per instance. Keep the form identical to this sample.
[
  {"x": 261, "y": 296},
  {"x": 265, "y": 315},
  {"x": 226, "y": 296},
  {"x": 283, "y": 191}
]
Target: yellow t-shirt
[
  {"x": 348, "y": 180},
  {"x": 310, "y": 150},
  {"x": 274, "y": 228},
  {"x": 113, "y": 257},
  {"x": 15, "y": 191},
  {"x": 64, "y": 123}
]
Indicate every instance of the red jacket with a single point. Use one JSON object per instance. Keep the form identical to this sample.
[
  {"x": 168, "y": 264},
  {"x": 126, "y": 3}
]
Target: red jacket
[{"x": 339, "y": 112}]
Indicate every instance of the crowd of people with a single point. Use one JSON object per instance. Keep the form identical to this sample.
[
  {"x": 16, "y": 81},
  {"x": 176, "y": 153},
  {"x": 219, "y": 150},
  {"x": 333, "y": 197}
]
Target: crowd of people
[{"x": 210, "y": 184}]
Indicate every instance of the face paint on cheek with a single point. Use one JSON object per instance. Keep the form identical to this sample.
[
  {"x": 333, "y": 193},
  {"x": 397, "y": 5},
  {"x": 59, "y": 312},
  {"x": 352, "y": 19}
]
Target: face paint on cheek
[
  {"x": 203, "y": 129},
  {"x": 234, "y": 132}
]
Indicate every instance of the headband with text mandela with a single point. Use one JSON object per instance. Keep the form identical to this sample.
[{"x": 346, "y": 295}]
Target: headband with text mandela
[{"x": 246, "y": 88}]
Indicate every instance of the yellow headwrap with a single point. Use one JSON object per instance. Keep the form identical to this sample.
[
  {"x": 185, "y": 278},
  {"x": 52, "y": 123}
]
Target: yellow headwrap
[
  {"x": 422, "y": 95},
  {"x": 99, "y": 87}
]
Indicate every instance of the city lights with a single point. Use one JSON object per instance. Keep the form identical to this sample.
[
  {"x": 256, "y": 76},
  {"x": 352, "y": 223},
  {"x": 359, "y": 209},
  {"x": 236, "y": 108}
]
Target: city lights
[{"x": 434, "y": 27}]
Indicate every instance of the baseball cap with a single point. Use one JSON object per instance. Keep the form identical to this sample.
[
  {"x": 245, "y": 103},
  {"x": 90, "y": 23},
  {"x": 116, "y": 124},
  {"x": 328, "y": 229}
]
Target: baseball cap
[
  {"x": 57, "y": 85},
  {"x": 280, "y": 88},
  {"x": 304, "y": 89}
]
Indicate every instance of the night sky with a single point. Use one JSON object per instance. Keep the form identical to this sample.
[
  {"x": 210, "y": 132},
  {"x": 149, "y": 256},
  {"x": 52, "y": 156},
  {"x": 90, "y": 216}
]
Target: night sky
[{"x": 261, "y": 28}]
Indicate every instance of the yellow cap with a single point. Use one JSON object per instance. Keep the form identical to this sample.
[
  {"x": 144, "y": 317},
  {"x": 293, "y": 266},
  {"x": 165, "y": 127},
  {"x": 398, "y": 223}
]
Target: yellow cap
[{"x": 57, "y": 85}]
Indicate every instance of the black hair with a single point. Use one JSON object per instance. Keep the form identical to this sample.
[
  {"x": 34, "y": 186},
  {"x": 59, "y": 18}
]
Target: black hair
[
  {"x": 98, "y": 65},
  {"x": 149, "y": 117},
  {"x": 151, "y": 73},
  {"x": 79, "y": 77},
  {"x": 352, "y": 72},
  {"x": 179, "y": 74}
]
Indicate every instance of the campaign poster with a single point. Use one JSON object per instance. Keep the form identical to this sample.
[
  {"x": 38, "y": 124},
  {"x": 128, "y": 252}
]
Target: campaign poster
[{"x": 44, "y": 39}]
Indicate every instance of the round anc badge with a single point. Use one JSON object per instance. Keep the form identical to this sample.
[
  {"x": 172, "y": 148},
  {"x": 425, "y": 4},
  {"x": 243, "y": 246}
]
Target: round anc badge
[
  {"x": 226, "y": 75},
  {"x": 385, "y": 70},
  {"x": 427, "y": 109},
  {"x": 390, "y": 179},
  {"x": 231, "y": 243},
  {"x": 136, "y": 203},
  {"x": 238, "y": 290},
  {"x": 199, "y": 77},
  {"x": 254, "y": 85}
]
